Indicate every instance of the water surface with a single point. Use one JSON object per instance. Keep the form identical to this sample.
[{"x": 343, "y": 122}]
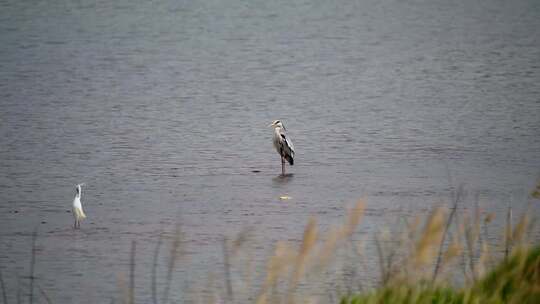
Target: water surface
[{"x": 162, "y": 109}]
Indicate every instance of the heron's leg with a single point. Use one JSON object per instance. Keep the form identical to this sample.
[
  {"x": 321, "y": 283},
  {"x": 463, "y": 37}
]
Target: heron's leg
[
  {"x": 282, "y": 166},
  {"x": 75, "y": 225}
]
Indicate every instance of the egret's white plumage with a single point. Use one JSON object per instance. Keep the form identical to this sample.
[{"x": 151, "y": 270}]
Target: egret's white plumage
[
  {"x": 78, "y": 212},
  {"x": 283, "y": 144}
]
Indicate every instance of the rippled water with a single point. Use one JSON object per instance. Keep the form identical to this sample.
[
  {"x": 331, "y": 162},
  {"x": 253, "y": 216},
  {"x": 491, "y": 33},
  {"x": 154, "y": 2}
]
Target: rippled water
[{"x": 162, "y": 108}]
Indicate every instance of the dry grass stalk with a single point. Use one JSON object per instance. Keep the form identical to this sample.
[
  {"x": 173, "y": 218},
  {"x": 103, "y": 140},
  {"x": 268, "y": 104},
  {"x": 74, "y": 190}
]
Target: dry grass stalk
[
  {"x": 209, "y": 295},
  {"x": 519, "y": 235},
  {"x": 453, "y": 251},
  {"x": 242, "y": 261},
  {"x": 285, "y": 259},
  {"x": 154, "y": 269},
  {"x": 409, "y": 259},
  {"x": 336, "y": 235},
  {"x": 430, "y": 237},
  {"x": 19, "y": 296},
  {"x": 535, "y": 193},
  {"x": 457, "y": 198},
  {"x": 489, "y": 261},
  {"x": 413, "y": 227},
  {"x": 32, "y": 265},
  {"x": 387, "y": 254},
  {"x": 3, "y": 286},
  {"x": 380, "y": 255},
  {"x": 328, "y": 247},
  {"x": 472, "y": 233},
  {"x": 487, "y": 220},
  {"x": 401, "y": 245},
  {"x": 122, "y": 286},
  {"x": 43, "y": 293},
  {"x": 508, "y": 233},
  {"x": 234, "y": 253},
  {"x": 276, "y": 266},
  {"x": 227, "y": 270},
  {"x": 354, "y": 217},
  {"x": 489, "y": 217},
  {"x": 242, "y": 237},
  {"x": 308, "y": 242},
  {"x": 480, "y": 267},
  {"x": 175, "y": 253},
  {"x": 131, "y": 296}
]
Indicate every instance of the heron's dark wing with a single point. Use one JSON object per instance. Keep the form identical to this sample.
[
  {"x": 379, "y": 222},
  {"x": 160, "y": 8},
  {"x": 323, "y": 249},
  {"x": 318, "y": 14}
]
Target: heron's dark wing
[
  {"x": 287, "y": 142},
  {"x": 287, "y": 147}
]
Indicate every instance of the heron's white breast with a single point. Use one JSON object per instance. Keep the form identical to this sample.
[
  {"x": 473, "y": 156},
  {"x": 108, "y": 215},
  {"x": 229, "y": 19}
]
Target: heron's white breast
[{"x": 277, "y": 138}]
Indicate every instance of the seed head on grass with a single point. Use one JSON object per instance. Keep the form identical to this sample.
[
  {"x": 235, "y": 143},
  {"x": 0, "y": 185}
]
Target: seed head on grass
[
  {"x": 519, "y": 235},
  {"x": 123, "y": 287},
  {"x": 489, "y": 218},
  {"x": 430, "y": 238},
  {"x": 174, "y": 255},
  {"x": 308, "y": 242},
  {"x": 241, "y": 238},
  {"x": 277, "y": 266},
  {"x": 337, "y": 234},
  {"x": 353, "y": 218},
  {"x": 453, "y": 251},
  {"x": 328, "y": 247},
  {"x": 535, "y": 193}
]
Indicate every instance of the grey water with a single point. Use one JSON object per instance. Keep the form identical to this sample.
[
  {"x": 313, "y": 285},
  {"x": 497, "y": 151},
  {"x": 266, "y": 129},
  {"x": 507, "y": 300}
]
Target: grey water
[{"x": 162, "y": 108}]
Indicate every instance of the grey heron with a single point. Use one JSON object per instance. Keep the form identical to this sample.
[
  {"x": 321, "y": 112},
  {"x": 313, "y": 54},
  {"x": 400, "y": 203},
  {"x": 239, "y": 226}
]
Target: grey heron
[
  {"x": 78, "y": 212},
  {"x": 283, "y": 144}
]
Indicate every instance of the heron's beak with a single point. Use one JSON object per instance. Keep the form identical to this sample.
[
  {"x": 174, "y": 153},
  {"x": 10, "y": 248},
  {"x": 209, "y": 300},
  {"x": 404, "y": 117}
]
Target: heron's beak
[{"x": 271, "y": 125}]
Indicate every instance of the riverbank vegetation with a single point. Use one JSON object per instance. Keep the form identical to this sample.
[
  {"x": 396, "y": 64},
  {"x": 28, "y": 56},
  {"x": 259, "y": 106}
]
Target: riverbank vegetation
[{"x": 446, "y": 256}]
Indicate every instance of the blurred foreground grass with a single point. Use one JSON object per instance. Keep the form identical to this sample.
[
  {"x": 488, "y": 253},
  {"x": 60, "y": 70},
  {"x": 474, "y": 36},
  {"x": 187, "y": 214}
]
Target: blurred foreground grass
[
  {"x": 421, "y": 263},
  {"x": 445, "y": 256},
  {"x": 516, "y": 280}
]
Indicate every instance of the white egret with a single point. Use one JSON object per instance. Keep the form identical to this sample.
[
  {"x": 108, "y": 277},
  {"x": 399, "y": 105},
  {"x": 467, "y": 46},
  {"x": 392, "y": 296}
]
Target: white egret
[
  {"x": 283, "y": 144},
  {"x": 78, "y": 212}
]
